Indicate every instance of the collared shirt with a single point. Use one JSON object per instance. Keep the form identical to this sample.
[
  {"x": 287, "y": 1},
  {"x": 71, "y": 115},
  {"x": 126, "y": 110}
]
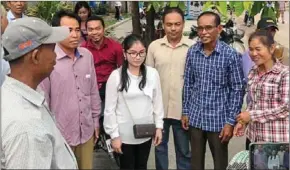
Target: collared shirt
[
  {"x": 73, "y": 96},
  {"x": 169, "y": 62},
  {"x": 11, "y": 17},
  {"x": 260, "y": 160},
  {"x": 30, "y": 138},
  {"x": 106, "y": 59},
  {"x": 269, "y": 106},
  {"x": 213, "y": 87}
]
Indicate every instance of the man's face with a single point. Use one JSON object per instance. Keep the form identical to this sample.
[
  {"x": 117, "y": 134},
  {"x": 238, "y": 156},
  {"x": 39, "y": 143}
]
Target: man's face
[
  {"x": 4, "y": 23},
  {"x": 46, "y": 56},
  {"x": 73, "y": 40},
  {"x": 173, "y": 26},
  {"x": 260, "y": 148},
  {"x": 16, "y": 7},
  {"x": 208, "y": 31},
  {"x": 95, "y": 30}
]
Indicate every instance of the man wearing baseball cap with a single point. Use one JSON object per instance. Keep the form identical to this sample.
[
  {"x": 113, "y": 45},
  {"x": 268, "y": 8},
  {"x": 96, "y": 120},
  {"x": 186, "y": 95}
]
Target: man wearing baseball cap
[{"x": 30, "y": 138}]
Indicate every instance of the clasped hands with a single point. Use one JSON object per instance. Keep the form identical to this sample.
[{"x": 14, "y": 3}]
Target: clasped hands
[{"x": 243, "y": 118}]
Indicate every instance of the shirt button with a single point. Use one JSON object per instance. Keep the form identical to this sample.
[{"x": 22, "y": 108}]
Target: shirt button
[
  {"x": 81, "y": 123},
  {"x": 78, "y": 88},
  {"x": 81, "y": 112},
  {"x": 76, "y": 76},
  {"x": 80, "y": 100}
]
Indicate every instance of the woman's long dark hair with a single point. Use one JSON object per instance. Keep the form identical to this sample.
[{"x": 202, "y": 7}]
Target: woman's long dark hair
[
  {"x": 125, "y": 80},
  {"x": 81, "y": 4}
]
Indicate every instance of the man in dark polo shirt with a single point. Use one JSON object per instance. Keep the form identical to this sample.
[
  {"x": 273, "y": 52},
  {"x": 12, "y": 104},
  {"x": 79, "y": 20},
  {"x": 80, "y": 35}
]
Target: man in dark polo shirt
[{"x": 108, "y": 54}]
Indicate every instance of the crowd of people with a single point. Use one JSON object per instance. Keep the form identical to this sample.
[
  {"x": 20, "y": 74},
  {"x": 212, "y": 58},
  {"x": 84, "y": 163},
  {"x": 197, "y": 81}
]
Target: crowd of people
[{"x": 58, "y": 80}]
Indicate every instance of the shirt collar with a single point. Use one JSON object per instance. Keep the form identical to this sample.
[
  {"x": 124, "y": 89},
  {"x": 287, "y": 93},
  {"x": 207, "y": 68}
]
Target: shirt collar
[
  {"x": 61, "y": 54},
  {"x": 275, "y": 69},
  {"x": 33, "y": 96},
  {"x": 183, "y": 41},
  {"x": 104, "y": 44},
  {"x": 11, "y": 17},
  {"x": 199, "y": 46}
]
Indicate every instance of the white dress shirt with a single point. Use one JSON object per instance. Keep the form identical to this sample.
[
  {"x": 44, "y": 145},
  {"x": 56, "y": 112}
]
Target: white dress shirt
[
  {"x": 30, "y": 138},
  {"x": 145, "y": 105}
]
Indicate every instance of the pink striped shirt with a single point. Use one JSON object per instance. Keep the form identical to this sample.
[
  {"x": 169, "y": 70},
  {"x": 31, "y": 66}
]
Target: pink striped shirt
[{"x": 72, "y": 94}]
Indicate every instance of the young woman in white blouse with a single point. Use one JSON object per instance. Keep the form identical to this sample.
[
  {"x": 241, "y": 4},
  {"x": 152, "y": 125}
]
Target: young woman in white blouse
[{"x": 133, "y": 96}]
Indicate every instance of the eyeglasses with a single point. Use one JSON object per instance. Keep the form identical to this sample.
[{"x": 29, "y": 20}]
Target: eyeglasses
[
  {"x": 135, "y": 54},
  {"x": 207, "y": 28}
]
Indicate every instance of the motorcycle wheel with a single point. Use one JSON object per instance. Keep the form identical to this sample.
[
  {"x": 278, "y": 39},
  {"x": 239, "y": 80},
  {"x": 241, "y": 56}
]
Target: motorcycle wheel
[{"x": 239, "y": 47}]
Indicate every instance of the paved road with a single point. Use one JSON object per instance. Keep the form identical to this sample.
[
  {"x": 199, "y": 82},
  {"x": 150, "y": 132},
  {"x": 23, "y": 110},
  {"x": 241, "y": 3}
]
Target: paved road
[{"x": 237, "y": 144}]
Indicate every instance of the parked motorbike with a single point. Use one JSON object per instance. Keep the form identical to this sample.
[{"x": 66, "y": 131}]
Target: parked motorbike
[
  {"x": 248, "y": 20},
  {"x": 229, "y": 35}
]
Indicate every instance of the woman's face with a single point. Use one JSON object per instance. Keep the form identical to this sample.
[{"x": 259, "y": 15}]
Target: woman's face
[
  {"x": 83, "y": 13},
  {"x": 136, "y": 54},
  {"x": 273, "y": 152},
  {"x": 259, "y": 53}
]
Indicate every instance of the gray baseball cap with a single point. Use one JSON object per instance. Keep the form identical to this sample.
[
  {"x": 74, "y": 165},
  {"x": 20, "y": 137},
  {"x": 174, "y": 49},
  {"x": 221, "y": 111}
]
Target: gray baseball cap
[{"x": 26, "y": 34}]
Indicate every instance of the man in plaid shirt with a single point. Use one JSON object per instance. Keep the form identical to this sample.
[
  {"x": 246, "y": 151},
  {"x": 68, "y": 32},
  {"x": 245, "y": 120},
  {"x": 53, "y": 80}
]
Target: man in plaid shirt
[{"x": 212, "y": 94}]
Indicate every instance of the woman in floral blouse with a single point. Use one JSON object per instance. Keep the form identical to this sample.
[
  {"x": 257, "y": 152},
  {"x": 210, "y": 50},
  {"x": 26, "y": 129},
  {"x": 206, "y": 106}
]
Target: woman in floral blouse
[{"x": 266, "y": 116}]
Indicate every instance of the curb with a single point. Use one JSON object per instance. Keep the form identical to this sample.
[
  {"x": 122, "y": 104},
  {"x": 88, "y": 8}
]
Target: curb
[{"x": 118, "y": 23}]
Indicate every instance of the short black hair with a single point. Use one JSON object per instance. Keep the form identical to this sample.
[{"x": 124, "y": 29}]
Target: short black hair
[
  {"x": 82, "y": 4},
  {"x": 96, "y": 18},
  {"x": 169, "y": 10},
  {"x": 55, "y": 22},
  {"x": 217, "y": 17}
]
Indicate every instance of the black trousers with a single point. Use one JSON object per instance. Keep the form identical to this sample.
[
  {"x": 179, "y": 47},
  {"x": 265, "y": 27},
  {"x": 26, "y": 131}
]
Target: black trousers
[
  {"x": 219, "y": 150},
  {"x": 117, "y": 13},
  {"x": 135, "y": 156}
]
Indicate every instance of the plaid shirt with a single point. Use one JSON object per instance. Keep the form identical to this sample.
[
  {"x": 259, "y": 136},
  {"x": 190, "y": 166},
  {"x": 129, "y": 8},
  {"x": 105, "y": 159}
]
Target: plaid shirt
[
  {"x": 269, "y": 105},
  {"x": 213, "y": 87}
]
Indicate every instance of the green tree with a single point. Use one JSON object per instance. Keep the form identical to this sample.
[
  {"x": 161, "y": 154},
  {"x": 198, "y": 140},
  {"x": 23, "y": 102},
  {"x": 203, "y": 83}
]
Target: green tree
[
  {"x": 46, "y": 9},
  {"x": 152, "y": 8}
]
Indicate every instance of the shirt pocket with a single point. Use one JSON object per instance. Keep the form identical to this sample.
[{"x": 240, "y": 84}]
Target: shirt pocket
[
  {"x": 271, "y": 91},
  {"x": 218, "y": 74},
  {"x": 86, "y": 84}
]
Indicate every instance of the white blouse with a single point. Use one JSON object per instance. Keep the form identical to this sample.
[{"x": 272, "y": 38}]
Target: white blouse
[{"x": 145, "y": 105}]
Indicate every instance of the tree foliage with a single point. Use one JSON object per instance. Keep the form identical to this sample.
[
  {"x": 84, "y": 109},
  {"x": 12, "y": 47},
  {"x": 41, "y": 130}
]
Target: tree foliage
[
  {"x": 46, "y": 9},
  {"x": 254, "y": 8}
]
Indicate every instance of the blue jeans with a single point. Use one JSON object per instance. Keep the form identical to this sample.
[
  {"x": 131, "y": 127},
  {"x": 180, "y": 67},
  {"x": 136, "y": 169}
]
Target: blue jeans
[{"x": 181, "y": 142}]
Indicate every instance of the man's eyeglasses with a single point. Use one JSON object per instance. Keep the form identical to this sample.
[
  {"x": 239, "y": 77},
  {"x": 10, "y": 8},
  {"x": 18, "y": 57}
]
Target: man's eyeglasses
[
  {"x": 207, "y": 28},
  {"x": 135, "y": 54}
]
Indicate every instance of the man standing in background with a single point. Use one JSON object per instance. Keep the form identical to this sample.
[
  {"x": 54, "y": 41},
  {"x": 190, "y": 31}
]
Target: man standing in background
[
  {"x": 168, "y": 56},
  {"x": 16, "y": 10}
]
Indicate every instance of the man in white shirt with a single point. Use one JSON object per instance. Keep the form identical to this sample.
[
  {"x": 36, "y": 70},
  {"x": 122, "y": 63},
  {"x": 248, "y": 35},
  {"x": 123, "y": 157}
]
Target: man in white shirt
[
  {"x": 4, "y": 65},
  {"x": 30, "y": 138},
  {"x": 16, "y": 10}
]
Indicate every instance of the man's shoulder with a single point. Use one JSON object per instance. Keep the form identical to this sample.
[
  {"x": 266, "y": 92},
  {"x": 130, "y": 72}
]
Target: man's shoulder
[
  {"x": 113, "y": 42},
  {"x": 84, "y": 51},
  {"x": 156, "y": 43}
]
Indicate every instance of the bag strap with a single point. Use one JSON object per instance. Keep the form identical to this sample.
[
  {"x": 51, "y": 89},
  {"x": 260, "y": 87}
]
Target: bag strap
[
  {"x": 127, "y": 107},
  {"x": 119, "y": 70}
]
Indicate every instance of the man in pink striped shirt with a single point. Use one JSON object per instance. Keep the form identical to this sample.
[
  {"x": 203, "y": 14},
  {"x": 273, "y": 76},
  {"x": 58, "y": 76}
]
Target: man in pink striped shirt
[{"x": 72, "y": 93}]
